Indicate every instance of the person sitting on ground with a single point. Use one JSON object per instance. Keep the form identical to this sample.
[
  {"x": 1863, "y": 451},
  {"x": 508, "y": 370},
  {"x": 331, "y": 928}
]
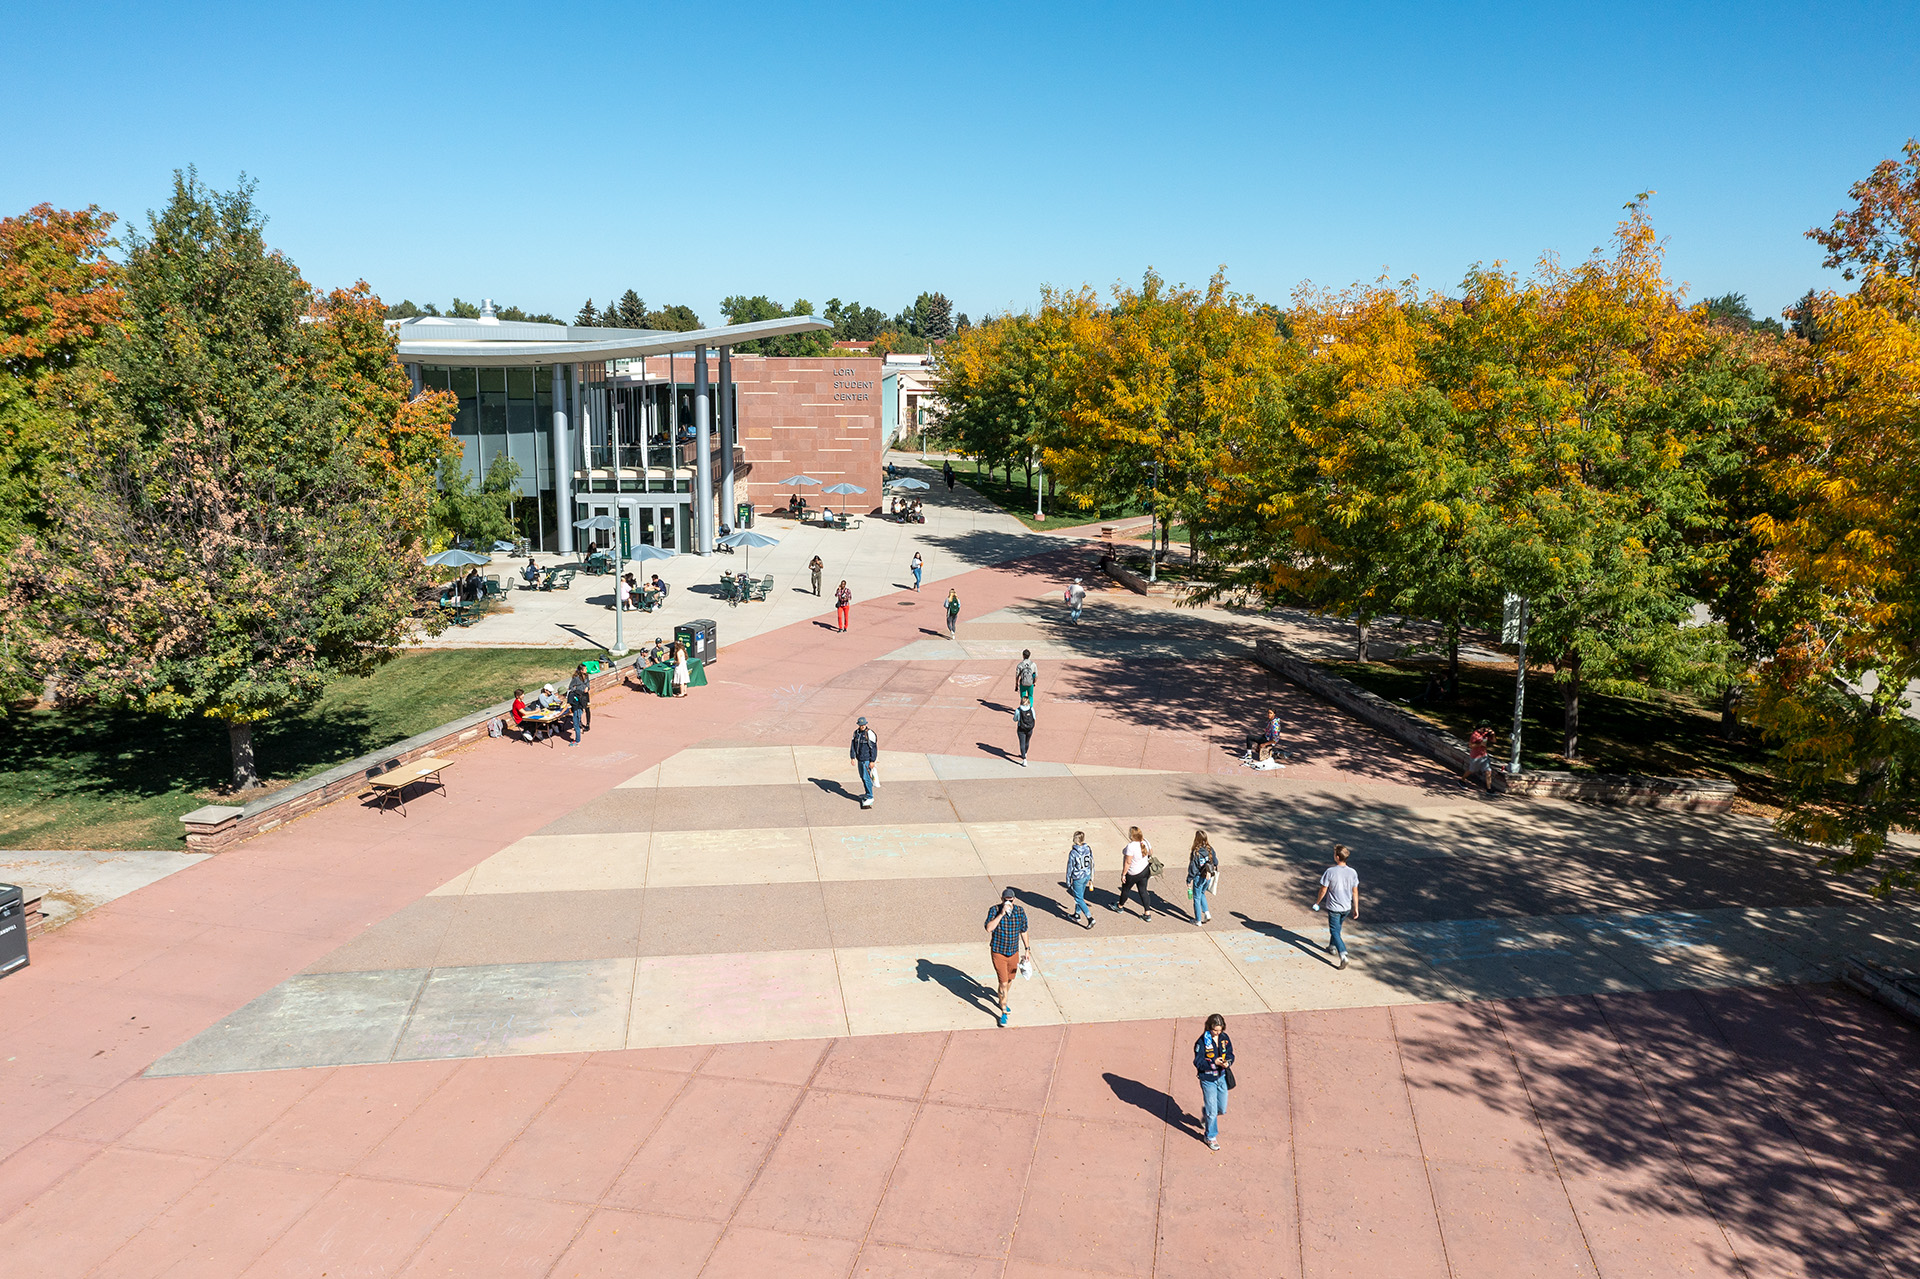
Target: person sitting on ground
[
  {"x": 1264, "y": 746},
  {"x": 1479, "y": 761}
]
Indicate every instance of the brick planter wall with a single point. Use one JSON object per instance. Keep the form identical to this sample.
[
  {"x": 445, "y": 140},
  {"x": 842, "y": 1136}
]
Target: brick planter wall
[
  {"x": 1682, "y": 794},
  {"x": 221, "y": 826}
]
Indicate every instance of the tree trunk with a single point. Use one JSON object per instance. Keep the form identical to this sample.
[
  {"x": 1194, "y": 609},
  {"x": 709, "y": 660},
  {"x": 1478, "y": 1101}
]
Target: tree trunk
[
  {"x": 1365, "y": 627},
  {"x": 240, "y": 739},
  {"x": 1570, "y": 701},
  {"x": 1453, "y": 658}
]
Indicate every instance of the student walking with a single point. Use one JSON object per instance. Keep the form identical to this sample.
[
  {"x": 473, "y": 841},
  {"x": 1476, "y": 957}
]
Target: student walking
[
  {"x": 815, "y": 567},
  {"x": 1023, "y": 725},
  {"x": 1076, "y": 600},
  {"x": 865, "y": 753},
  {"x": 1006, "y": 944},
  {"x": 842, "y": 602},
  {"x": 623, "y": 592},
  {"x": 1203, "y": 876},
  {"x": 580, "y": 699},
  {"x": 1213, "y": 1062},
  {"x": 1025, "y": 676},
  {"x": 947, "y": 473},
  {"x": 953, "y": 614},
  {"x": 1079, "y": 875},
  {"x": 918, "y": 567},
  {"x": 1136, "y": 866},
  {"x": 1340, "y": 891}
]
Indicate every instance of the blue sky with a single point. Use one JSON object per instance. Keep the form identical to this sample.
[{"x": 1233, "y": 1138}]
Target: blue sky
[{"x": 543, "y": 154}]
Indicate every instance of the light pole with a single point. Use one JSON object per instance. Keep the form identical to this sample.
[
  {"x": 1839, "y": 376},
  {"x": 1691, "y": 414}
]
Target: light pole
[
  {"x": 1153, "y": 509},
  {"x": 1519, "y": 686},
  {"x": 1039, "y": 489}
]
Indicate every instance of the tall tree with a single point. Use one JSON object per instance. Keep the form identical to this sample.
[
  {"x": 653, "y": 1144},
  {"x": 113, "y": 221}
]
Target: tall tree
[
  {"x": 247, "y": 523},
  {"x": 740, "y": 309},
  {"x": 587, "y": 317},
  {"x": 1881, "y": 232},
  {"x": 853, "y": 322},
  {"x": 628, "y": 313},
  {"x": 933, "y": 317},
  {"x": 677, "y": 318}
]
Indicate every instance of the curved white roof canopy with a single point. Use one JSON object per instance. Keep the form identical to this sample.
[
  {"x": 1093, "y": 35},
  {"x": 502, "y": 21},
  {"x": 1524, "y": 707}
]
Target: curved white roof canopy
[{"x": 438, "y": 340}]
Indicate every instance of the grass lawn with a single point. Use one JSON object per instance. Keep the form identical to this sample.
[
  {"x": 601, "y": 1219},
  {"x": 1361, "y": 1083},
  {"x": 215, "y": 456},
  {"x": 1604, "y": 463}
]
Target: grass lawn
[
  {"x": 1670, "y": 736},
  {"x": 1016, "y": 499},
  {"x": 117, "y": 779}
]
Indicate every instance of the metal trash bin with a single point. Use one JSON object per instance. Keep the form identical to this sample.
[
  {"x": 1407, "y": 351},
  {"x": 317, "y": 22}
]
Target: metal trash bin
[
  {"x": 13, "y": 929},
  {"x": 700, "y": 638}
]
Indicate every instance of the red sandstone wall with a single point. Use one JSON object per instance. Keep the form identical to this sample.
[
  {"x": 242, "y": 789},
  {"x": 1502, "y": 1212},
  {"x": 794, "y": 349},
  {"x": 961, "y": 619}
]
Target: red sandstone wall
[{"x": 818, "y": 417}]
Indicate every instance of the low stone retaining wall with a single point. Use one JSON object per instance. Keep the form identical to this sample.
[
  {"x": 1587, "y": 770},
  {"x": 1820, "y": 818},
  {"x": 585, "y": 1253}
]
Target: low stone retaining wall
[
  {"x": 1682, "y": 794},
  {"x": 221, "y": 826}
]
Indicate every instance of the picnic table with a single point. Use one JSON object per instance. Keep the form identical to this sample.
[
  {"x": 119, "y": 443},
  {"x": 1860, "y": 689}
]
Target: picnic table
[
  {"x": 658, "y": 678},
  {"x": 543, "y": 719},
  {"x": 392, "y": 784}
]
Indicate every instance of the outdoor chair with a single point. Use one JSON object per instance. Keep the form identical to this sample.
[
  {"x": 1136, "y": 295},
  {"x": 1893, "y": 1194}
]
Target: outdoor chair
[
  {"x": 494, "y": 589},
  {"x": 558, "y": 578},
  {"x": 597, "y": 564},
  {"x": 763, "y": 588}
]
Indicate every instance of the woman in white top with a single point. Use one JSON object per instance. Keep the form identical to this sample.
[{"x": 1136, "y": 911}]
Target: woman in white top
[
  {"x": 1136, "y": 862},
  {"x": 680, "y": 674}
]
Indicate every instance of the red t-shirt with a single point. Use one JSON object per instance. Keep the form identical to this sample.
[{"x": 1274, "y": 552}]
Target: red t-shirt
[{"x": 1477, "y": 744}]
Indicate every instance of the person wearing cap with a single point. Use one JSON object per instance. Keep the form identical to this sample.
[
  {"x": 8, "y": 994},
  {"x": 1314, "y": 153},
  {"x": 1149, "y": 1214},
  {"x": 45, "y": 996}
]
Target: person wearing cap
[
  {"x": 1076, "y": 599},
  {"x": 1006, "y": 944},
  {"x": 865, "y": 752},
  {"x": 580, "y": 701}
]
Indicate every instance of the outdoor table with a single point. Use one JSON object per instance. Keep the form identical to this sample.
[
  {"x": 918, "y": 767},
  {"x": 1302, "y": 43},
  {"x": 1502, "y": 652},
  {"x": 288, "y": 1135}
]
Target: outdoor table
[
  {"x": 392, "y": 785},
  {"x": 658, "y": 678},
  {"x": 543, "y": 719}
]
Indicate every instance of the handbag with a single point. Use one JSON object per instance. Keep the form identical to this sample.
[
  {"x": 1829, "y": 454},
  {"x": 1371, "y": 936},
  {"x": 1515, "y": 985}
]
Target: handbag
[
  {"x": 1155, "y": 867},
  {"x": 1232, "y": 1083},
  {"x": 1026, "y": 966}
]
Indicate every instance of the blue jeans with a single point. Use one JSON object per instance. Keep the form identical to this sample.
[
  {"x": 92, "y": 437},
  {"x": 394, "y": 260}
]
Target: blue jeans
[
  {"x": 1076, "y": 612},
  {"x": 1079, "y": 887},
  {"x": 866, "y": 776},
  {"x": 1335, "y": 918},
  {"x": 1213, "y": 1103},
  {"x": 916, "y": 577},
  {"x": 1198, "y": 887}
]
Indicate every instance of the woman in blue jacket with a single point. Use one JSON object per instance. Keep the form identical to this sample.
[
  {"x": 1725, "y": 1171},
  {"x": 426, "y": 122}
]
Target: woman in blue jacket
[{"x": 1213, "y": 1062}]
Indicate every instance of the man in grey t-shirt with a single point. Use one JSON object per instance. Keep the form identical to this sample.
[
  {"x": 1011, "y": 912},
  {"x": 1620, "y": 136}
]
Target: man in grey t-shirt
[{"x": 1340, "y": 892}]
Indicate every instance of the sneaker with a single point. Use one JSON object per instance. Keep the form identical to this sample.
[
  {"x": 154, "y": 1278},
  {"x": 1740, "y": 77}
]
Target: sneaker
[
  {"x": 1341, "y": 964},
  {"x": 1213, "y": 1143},
  {"x": 1328, "y": 948},
  {"x": 866, "y": 803},
  {"x": 1004, "y": 1014},
  {"x": 1146, "y": 914}
]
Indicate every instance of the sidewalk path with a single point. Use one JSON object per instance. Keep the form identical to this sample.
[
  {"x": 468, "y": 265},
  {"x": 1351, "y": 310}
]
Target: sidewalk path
[{"x": 799, "y": 980}]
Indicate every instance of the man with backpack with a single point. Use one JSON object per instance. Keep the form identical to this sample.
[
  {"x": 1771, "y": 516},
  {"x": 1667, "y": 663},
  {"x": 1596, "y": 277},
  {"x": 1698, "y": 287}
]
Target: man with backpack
[
  {"x": 865, "y": 753},
  {"x": 1076, "y": 597},
  {"x": 580, "y": 701},
  {"x": 1025, "y": 676}
]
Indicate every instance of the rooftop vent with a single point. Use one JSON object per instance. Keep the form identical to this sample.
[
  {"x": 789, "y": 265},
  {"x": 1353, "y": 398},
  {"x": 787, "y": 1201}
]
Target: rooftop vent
[{"x": 486, "y": 312}]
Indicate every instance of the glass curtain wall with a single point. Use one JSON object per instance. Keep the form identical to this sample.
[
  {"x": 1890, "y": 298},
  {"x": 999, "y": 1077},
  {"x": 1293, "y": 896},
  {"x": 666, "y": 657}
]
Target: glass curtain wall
[{"x": 506, "y": 415}]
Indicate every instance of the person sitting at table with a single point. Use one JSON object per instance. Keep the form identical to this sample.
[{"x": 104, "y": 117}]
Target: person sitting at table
[
  {"x": 531, "y": 572},
  {"x": 470, "y": 586},
  {"x": 656, "y": 654},
  {"x": 519, "y": 713},
  {"x": 659, "y": 587},
  {"x": 623, "y": 591}
]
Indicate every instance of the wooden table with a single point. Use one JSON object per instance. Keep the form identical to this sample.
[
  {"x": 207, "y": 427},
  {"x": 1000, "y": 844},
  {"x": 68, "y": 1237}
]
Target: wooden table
[
  {"x": 543, "y": 719},
  {"x": 393, "y": 783}
]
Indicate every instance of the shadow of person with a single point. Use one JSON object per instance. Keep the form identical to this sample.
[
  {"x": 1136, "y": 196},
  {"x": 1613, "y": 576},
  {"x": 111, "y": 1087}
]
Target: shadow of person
[
  {"x": 936, "y": 634},
  {"x": 991, "y": 749},
  {"x": 828, "y": 626},
  {"x": 995, "y": 706},
  {"x": 959, "y": 984},
  {"x": 1280, "y": 932},
  {"x": 832, "y": 787},
  {"x": 1149, "y": 1099},
  {"x": 1044, "y": 902}
]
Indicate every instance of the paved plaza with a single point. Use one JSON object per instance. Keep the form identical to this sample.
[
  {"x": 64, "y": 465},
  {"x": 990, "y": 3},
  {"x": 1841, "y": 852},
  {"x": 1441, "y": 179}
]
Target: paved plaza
[{"x": 672, "y": 1003}]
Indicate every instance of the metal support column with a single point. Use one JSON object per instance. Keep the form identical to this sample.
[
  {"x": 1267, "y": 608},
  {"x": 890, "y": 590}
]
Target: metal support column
[
  {"x": 563, "y": 453},
  {"x": 703, "y": 455},
  {"x": 728, "y": 430}
]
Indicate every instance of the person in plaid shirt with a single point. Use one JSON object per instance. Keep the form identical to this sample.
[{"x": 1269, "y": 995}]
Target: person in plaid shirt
[{"x": 1007, "y": 924}]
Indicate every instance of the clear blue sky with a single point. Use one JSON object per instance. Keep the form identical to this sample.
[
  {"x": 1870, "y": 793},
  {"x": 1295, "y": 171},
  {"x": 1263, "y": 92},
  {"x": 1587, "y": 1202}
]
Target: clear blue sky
[{"x": 541, "y": 154}]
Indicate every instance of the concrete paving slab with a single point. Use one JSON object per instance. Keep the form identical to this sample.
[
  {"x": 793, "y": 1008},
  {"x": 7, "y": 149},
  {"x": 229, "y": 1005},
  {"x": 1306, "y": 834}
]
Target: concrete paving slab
[
  {"x": 715, "y": 999},
  {"x": 1292, "y": 971},
  {"x": 1125, "y": 979},
  {"x": 559, "y": 863},
  {"x": 74, "y": 881},
  {"x": 684, "y": 858},
  {"x": 1519, "y": 957},
  {"x": 1040, "y": 847},
  {"x": 324, "y": 1019},
  {"x": 498, "y": 1009},
  {"x": 964, "y": 768},
  {"x": 893, "y": 989},
  {"x": 926, "y": 850},
  {"x": 732, "y": 766}
]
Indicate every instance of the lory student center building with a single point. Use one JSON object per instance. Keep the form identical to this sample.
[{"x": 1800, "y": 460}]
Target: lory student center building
[{"x": 670, "y": 432}]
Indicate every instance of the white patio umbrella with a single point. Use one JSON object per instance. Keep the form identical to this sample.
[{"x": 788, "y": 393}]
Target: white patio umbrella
[
  {"x": 456, "y": 558},
  {"x": 843, "y": 488},
  {"x": 749, "y": 539},
  {"x": 909, "y": 482}
]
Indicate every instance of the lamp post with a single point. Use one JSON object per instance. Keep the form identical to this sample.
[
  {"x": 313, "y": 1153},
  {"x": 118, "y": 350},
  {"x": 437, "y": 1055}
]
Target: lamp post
[{"x": 1519, "y": 685}]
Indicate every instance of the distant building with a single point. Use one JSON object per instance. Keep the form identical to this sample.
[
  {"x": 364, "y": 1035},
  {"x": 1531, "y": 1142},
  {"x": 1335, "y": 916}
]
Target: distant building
[
  {"x": 907, "y": 388},
  {"x": 670, "y": 431}
]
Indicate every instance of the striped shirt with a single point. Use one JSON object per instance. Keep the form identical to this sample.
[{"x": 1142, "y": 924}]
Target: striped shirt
[{"x": 1080, "y": 862}]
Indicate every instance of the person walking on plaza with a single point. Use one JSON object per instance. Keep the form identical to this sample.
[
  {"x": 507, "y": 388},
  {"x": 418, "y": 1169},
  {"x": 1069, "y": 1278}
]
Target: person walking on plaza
[
  {"x": 1006, "y": 944},
  {"x": 1079, "y": 875},
  {"x": 946, "y": 472},
  {"x": 1076, "y": 600},
  {"x": 1340, "y": 891},
  {"x": 681, "y": 675},
  {"x": 842, "y": 602},
  {"x": 1025, "y": 676},
  {"x": 1213, "y": 1062},
  {"x": 580, "y": 699},
  {"x": 623, "y": 593},
  {"x": 918, "y": 566},
  {"x": 1203, "y": 876},
  {"x": 816, "y": 568},
  {"x": 953, "y": 614},
  {"x": 865, "y": 753},
  {"x": 1136, "y": 867},
  {"x": 1023, "y": 725}
]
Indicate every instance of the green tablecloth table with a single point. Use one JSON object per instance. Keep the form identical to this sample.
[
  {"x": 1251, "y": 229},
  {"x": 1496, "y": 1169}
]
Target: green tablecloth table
[{"x": 658, "y": 678}]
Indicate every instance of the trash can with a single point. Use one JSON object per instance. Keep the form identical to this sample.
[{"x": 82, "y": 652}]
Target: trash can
[
  {"x": 13, "y": 929},
  {"x": 700, "y": 637}
]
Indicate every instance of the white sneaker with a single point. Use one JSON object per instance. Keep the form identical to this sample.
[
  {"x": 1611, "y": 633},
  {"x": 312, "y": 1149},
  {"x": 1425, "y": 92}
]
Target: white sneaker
[{"x": 866, "y": 803}]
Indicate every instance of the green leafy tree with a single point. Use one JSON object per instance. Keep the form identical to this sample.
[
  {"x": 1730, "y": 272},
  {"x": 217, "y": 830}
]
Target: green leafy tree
[
  {"x": 933, "y": 317},
  {"x": 674, "y": 319},
  {"x": 853, "y": 322},
  {"x": 481, "y": 515},
  {"x": 740, "y": 309},
  {"x": 230, "y": 539}
]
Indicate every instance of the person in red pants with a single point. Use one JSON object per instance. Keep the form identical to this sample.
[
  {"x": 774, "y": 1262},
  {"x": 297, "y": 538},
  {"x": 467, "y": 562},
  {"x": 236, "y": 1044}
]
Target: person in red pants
[{"x": 842, "y": 601}]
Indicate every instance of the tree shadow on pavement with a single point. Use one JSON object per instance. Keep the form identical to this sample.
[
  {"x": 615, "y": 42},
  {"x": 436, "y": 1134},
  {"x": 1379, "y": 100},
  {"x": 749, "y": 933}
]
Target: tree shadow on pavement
[{"x": 957, "y": 983}]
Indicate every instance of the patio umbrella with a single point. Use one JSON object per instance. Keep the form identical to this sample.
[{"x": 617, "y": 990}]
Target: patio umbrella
[
  {"x": 843, "y": 488},
  {"x": 749, "y": 539},
  {"x": 457, "y": 558},
  {"x": 911, "y": 483},
  {"x": 792, "y": 480}
]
